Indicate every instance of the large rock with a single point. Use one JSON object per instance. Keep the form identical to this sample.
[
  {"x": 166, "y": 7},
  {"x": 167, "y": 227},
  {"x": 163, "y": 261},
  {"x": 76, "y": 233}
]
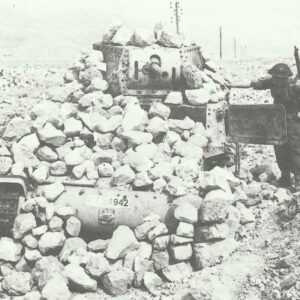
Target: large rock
[
  {"x": 177, "y": 272},
  {"x": 117, "y": 282},
  {"x": 17, "y": 283},
  {"x": 181, "y": 252},
  {"x": 97, "y": 84},
  {"x": 176, "y": 187},
  {"x": 159, "y": 230},
  {"x": 142, "y": 180},
  {"x": 141, "y": 232},
  {"x": 97, "y": 265},
  {"x": 185, "y": 230},
  {"x": 50, "y": 135},
  {"x": 122, "y": 36},
  {"x": 97, "y": 245},
  {"x": 135, "y": 118},
  {"x": 186, "y": 212},
  {"x": 206, "y": 233},
  {"x": 23, "y": 154},
  {"x": 135, "y": 137},
  {"x": 56, "y": 289},
  {"x": 122, "y": 241},
  {"x": 158, "y": 109},
  {"x": 180, "y": 126},
  {"x": 63, "y": 93},
  {"x": 93, "y": 58},
  {"x": 200, "y": 96},
  {"x": 141, "y": 265},
  {"x": 6, "y": 164},
  {"x": 70, "y": 246},
  {"x": 46, "y": 268},
  {"x": 16, "y": 129},
  {"x": 30, "y": 141},
  {"x": 142, "y": 38},
  {"x": 170, "y": 40},
  {"x": 157, "y": 127},
  {"x": 58, "y": 168},
  {"x": 161, "y": 259},
  {"x": 51, "y": 242},
  {"x": 162, "y": 170},
  {"x": 188, "y": 169},
  {"x": 56, "y": 224},
  {"x": 73, "y": 226},
  {"x": 86, "y": 76},
  {"x": 174, "y": 98},
  {"x": 10, "y": 250},
  {"x": 213, "y": 211},
  {"x": 52, "y": 191},
  {"x": 161, "y": 242},
  {"x": 210, "y": 254},
  {"x": 152, "y": 282},
  {"x": 122, "y": 176},
  {"x": 137, "y": 161},
  {"x": 79, "y": 280},
  {"x": 47, "y": 154},
  {"x": 72, "y": 127},
  {"x": 193, "y": 76},
  {"x": 97, "y": 99},
  {"x": 23, "y": 224},
  {"x": 32, "y": 255}
]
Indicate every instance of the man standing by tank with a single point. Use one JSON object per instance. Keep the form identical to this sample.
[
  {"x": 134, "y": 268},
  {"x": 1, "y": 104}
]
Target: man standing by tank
[{"x": 287, "y": 94}]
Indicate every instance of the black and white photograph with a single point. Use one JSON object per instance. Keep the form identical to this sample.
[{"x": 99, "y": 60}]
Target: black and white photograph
[{"x": 149, "y": 150}]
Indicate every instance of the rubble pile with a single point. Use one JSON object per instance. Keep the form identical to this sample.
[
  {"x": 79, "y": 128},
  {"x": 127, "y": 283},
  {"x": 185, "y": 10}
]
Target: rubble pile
[
  {"x": 47, "y": 257},
  {"x": 82, "y": 132}
]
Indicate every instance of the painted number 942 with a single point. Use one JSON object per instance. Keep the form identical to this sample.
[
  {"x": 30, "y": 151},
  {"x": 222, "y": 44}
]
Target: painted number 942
[{"x": 120, "y": 202}]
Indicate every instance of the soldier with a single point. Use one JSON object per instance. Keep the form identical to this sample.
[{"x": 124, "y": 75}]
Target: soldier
[{"x": 287, "y": 94}]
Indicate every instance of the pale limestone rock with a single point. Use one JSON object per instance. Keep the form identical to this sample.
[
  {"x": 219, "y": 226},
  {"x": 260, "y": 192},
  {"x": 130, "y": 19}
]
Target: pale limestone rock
[
  {"x": 10, "y": 251},
  {"x": 51, "y": 242},
  {"x": 185, "y": 230},
  {"x": 177, "y": 272},
  {"x": 79, "y": 280},
  {"x": 122, "y": 176},
  {"x": 181, "y": 252},
  {"x": 52, "y": 191},
  {"x": 123, "y": 241},
  {"x": 50, "y": 135},
  {"x": 174, "y": 98},
  {"x": 186, "y": 212},
  {"x": 23, "y": 224},
  {"x": 158, "y": 109}
]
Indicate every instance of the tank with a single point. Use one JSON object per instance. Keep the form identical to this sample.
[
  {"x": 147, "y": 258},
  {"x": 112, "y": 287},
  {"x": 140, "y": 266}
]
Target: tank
[{"x": 150, "y": 73}]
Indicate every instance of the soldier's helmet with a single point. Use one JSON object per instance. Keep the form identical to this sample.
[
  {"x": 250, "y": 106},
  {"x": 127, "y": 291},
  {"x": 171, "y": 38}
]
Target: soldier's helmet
[{"x": 281, "y": 70}]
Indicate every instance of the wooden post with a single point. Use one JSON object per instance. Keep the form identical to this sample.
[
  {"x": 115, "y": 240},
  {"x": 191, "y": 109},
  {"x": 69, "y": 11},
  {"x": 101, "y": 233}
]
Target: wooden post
[
  {"x": 221, "y": 43},
  {"x": 177, "y": 16}
]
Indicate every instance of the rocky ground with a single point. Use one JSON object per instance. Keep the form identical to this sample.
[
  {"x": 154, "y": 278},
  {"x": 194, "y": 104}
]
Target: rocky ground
[{"x": 265, "y": 264}]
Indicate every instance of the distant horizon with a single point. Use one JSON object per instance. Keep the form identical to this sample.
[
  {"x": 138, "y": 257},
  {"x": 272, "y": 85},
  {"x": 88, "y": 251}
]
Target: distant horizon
[{"x": 49, "y": 31}]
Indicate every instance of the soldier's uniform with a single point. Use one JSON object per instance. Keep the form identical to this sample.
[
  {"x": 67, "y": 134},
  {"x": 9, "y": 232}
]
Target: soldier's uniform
[{"x": 288, "y": 155}]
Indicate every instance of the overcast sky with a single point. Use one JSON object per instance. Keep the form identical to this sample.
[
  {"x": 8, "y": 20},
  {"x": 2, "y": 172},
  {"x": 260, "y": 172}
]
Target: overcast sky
[{"x": 58, "y": 29}]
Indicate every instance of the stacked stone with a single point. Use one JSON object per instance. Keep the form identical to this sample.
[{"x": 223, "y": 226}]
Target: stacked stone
[
  {"x": 47, "y": 250},
  {"x": 83, "y": 133}
]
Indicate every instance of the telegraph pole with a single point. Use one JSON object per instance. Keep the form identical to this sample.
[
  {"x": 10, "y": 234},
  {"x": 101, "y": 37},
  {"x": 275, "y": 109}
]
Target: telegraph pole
[
  {"x": 177, "y": 13},
  {"x": 221, "y": 43}
]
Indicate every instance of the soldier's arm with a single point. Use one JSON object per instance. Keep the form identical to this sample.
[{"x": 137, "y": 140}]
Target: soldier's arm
[{"x": 259, "y": 84}]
